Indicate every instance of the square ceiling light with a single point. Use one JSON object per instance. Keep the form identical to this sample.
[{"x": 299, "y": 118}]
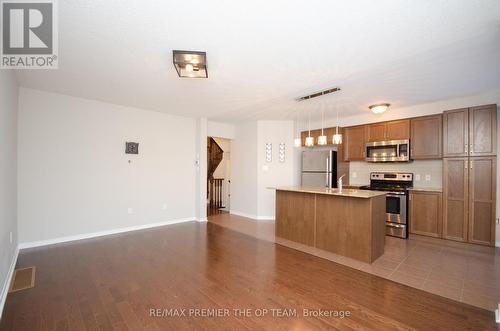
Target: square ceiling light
[{"x": 190, "y": 64}]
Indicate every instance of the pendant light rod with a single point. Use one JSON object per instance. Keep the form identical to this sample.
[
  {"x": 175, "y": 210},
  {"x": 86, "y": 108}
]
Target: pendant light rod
[{"x": 318, "y": 94}]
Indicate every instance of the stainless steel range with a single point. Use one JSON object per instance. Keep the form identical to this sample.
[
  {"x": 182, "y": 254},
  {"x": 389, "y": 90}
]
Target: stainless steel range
[{"x": 396, "y": 185}]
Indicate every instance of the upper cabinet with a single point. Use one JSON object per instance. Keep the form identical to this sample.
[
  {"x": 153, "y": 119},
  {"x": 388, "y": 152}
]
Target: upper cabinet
[
  {"x": 483, "y": 130},
  {"x": 393, "y": 130},
  {"x": 375, "y": 132},
  {"x": 470, "y": 131},
  {"x": 354, "y": 143},
  {"x": 398, "y": 130},
  {"x": 456, "y": 132},
  {"x": 426, "y": 137}
]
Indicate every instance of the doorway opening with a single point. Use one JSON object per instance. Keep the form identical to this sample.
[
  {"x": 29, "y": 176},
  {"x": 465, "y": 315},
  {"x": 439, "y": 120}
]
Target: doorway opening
[{"x": 218, "y": 175}]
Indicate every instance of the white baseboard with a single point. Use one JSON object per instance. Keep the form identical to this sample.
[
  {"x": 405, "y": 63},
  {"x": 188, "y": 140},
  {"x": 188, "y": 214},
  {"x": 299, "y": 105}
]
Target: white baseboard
[
  {"x": 234, "y": 212},
  {"x": 254, "y": 217},
  {"x": 202, "y": 220},
  {"x": 8, "y": 279},
  {"x": 265, "y": 218},
  {"x": 100, "y": 233}
]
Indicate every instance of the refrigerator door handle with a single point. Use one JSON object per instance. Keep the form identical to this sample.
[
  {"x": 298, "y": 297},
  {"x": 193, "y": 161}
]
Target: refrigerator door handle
[{"x": 327, "y": 174}]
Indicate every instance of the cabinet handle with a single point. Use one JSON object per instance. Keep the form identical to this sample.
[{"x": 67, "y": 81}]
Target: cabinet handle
[
  {"x": 470, "y": 162},
  {"x": 470, "y": 148},
  {"x": 466, "y": 148},
  {"x": 465, "y": 164}
]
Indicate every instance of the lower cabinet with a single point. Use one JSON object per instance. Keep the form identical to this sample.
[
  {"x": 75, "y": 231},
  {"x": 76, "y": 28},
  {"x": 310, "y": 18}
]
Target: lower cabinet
[
  {"x": 426, "y": 217},
  {"x": 469, "y": 199}
]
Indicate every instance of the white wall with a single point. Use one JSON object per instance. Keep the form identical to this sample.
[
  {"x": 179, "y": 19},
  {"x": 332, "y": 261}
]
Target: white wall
[
  {"x": 275, "y": 173},
  {"x": 74, "y": 176},
  {"x": 8, "y": 177},
  {"x": 220, "y": 130},
  {"x": 252, "y": 177},
  {"x": 244, "y": 170}
]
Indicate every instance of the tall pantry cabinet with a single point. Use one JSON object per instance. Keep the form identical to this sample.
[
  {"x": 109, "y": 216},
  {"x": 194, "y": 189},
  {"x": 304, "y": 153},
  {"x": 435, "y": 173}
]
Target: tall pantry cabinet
[{"x": 469, "y": 174}]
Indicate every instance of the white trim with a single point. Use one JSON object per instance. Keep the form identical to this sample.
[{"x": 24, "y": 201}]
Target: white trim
[
  {"x": 265, "y": 218},
  {"x": 254, "y": 217},
  {"x": 202, "y": 220},
  {"x": 8, "y": 279},
  {"x": 101, "y": 233}
]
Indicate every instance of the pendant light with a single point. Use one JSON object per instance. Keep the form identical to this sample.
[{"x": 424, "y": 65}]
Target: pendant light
[
  {"x": 297, "y": 141},
  {"x": 337, "y": 137},
  {"x": 322, "y": 140},
  {"x": 309, "y": 139}
]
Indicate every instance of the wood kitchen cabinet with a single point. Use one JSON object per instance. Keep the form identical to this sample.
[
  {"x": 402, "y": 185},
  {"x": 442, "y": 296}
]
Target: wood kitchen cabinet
[
  {"x": 483, "y": 130},
  {"x": 482, "y": 198},
  {"x": 393, "y": 130},
  {"x": 398, "y": 130},
  {"x": 354, "y": 143},
  {"x": 426, "y": 216},
  {"x": 426, "y": 137},
  {"x": 470, "y": 131},
  {"x": 469, "y": 199},
  {"x": 375, "y": 132},
  {"x": 455, "y": 198}
]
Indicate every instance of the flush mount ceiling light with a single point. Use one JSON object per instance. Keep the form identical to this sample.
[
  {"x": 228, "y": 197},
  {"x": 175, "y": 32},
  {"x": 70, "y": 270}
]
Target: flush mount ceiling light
[
  {"x": 190, "y": 64},
  {"x": 379, "y": 108}
]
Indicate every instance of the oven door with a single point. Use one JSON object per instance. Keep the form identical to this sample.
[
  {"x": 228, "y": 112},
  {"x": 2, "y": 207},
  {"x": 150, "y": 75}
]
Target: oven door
[{"x": 395, "y": 208}]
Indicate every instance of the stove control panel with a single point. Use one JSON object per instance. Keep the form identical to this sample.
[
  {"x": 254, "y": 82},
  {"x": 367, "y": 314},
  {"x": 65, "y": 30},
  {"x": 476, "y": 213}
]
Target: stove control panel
[{"x": 391, "y": 176}]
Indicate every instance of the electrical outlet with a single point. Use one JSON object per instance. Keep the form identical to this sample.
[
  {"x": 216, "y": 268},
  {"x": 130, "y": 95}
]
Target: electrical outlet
[
  {"x": 354, "y": 175},
  {"x": 130, "y": 211},
  {"x": 10, "y": 237},
  {"x": 427, "y": 178},
  {"x": 164, "y": 206},
  {"x": 417, "y": 177}
]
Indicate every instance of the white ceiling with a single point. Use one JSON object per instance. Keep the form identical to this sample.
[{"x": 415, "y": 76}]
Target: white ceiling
[{"x": 264, "y": 54}]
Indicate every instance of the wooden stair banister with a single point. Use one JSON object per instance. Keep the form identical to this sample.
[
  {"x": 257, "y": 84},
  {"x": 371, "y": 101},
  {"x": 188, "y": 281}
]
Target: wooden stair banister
[{"x": 215, "y": 154}]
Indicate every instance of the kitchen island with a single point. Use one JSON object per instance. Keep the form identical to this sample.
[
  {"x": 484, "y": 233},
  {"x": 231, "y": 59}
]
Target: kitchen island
[{"x": 350, "y": 222}]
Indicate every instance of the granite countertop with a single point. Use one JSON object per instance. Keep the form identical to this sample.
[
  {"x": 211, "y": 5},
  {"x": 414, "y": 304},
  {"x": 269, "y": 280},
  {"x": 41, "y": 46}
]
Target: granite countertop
[
  {"x": 427, "y": 189},
  {"x": 346, "y": 192}
]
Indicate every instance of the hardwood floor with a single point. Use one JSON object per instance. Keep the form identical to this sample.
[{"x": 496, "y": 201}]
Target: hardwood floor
[{"x": 112, "y": 283}]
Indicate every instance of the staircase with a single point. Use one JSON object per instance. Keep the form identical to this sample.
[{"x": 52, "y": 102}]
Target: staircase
[
  {"x": 215, "y": 189},
  {"x": 214, "y": 156}
]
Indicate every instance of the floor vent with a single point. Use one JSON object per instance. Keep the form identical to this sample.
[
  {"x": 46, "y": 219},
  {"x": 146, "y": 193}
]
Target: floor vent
[{"x": 23, "y": 279}]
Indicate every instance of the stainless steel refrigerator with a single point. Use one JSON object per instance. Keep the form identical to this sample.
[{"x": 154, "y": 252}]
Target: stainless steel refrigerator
[{"x": 319, "y": 168}]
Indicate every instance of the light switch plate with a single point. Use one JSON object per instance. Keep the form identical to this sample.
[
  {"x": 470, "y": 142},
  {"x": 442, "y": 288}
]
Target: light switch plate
[
  {"x": 130, "y": 211},
  {"x": 417, "y": 177},
  {"x": 354, "y": 175},
  {"x": 427, "y": 177}
]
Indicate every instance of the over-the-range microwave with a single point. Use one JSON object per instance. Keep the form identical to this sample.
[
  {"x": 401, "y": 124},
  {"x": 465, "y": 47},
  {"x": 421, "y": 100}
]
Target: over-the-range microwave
[{"x": 388, "y": 151}]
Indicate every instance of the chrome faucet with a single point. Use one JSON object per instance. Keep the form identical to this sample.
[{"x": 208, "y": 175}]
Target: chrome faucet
[{"x": 339, "y": 183}]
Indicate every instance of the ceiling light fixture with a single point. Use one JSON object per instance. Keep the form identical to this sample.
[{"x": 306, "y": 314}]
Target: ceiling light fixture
[
  {"x": 379, "y": 108},
  {"x": 297, "y": 141},
  {"x": 337, "y": 137},
  {"x": 318, "y": 94},
  {"x": 191, "y": 64},
  {"x": 322, "y": 140},
  {"x": 309, "y": 139}
]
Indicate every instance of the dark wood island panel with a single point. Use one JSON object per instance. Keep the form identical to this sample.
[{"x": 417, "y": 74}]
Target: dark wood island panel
[{"x": 346, "y": 225}]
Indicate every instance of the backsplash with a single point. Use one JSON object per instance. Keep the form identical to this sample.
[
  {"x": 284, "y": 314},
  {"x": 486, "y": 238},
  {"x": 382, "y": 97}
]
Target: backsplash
[{"x": 359, "y": 172}]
